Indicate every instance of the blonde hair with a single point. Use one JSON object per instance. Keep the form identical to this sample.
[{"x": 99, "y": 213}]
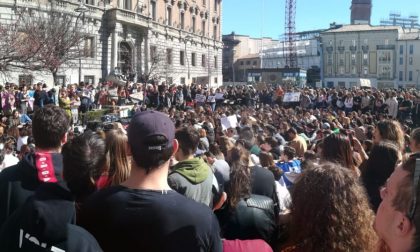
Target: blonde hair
[{"x": 118, "y": 165}]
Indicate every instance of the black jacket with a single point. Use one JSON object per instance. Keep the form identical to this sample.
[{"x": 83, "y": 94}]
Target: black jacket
[
  {"x": 46, "y": 223},
  {"x": 18, "y": 182}
]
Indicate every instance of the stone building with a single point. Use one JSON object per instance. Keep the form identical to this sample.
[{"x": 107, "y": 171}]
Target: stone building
[
  {"x": 385, "y": 56},
  {"x": 177, "y": 41}
]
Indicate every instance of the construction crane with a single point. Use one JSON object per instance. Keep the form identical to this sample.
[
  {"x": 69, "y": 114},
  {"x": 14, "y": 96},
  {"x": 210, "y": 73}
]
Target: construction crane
[{"x": 289, "y": 48}]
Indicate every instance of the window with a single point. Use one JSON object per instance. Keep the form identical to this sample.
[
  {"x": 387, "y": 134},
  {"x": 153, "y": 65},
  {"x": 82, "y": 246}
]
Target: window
[
  {"x": 203, "y": 27},
  {"x": 242, "y": 63},
  {"x": 193, "y": 24},
  {"x": 153, "y": 10},
  {"x": 182, "y": 58},
  {"x": 410, "y": 76},
  {"x": 365, "y": 59},
  {"x": 254, "y": 63},
  {"x": 193, "y": 59},
  {"x": 401, "y": 60},
  {"x": 26, "y": 79},
  {"x": 182, "y": 18},
  {"x": 384, "y": 72},
  {"x": 61, "y": 80},
  {"x": 203, "y": 60},
  {"x": 127, "y": 4},
  {"x": 365, "y": 70},
  {"x": 90, "y": 2},
  {"x": 400, "y": 76},
  {"x": 89, "y": 79},
  {"x": 353, "y": 59},
  {"x": 411, "y": 49},
  {"x": 341, "y": 70},
  {"x": 386, "y": 41},
  {"x": 215, "y": 80},
  {"x": 89, "y": 47},
  {"x": 183, "y": 80},
  {"x": 169, "y": 56},
  {"x": 329, "y": 59},
  {"x": 353, "y": 70},
  {"x": 401, "y": 49},
  {"x": 410, "y": 61},
  {"x": 204, "y": 2},
  {"x": 153, "y": 54},
  {"x": 215, "y": 32},
  {"x": 215, "y": 5},
  {"x": 169, "y": 16},
  {"x": 215, "y": 62},
  {"x": 341, "y": 61},
  {"x": 384, "y": 57},
  {"x": 248, "y": 62}
]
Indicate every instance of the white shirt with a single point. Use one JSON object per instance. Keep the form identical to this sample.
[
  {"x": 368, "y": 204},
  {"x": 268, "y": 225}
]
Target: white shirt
[{"x": 9, "y": 160}]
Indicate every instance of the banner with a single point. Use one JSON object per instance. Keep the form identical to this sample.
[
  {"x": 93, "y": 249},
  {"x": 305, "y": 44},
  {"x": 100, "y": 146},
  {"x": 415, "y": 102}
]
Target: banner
[{"x": 291, "y": 97}]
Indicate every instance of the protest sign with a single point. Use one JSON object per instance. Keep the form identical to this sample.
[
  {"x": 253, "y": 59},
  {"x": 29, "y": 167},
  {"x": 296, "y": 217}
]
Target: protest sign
[
  {"x": 229, "y": 122},
  {"x": 291, "y": 97},
  {"x": 200, "y": 98}
]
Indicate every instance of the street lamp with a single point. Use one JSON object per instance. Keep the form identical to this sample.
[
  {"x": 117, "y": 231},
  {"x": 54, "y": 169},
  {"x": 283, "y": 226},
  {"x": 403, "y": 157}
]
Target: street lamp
[
  {"x": 82, "y": 9},
  {"x": 188, "y": 37}
]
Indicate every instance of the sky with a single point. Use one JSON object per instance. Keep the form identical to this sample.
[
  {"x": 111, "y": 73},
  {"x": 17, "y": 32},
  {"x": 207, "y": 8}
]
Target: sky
[{"x": 265, "y": 18}]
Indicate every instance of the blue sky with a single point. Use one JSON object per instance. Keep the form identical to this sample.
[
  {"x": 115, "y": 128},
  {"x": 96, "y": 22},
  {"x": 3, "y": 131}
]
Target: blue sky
[{"x": 266, "y": 17}]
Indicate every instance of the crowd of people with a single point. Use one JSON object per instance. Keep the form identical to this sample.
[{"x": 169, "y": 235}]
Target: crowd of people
[{"x": 337, "y": 170}]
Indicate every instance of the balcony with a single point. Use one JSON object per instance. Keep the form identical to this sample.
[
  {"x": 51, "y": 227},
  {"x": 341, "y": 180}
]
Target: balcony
[{"x": 128, "y": 17}]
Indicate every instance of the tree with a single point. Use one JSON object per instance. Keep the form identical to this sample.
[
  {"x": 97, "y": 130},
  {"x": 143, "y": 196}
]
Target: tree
[
  {"x": 161, "y": 65},
  {"x": 41, "y": 41},
  {"x": 61, "y": 39},
  {"x": 17, "y": 48}
]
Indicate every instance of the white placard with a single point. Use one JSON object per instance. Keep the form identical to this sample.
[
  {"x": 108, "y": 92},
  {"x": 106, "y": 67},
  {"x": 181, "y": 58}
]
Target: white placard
[
  {"x": 211, "y": 98},
  {"x": 291, "y": 97},
  {"x": 200, "y": 98},
  {"x": 229, "y": 122},
  {"x": 137, "y": 96},
  {"x": 219, "y": 96}
]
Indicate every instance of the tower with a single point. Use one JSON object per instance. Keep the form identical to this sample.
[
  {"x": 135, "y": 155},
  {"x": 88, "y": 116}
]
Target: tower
[
  {"x": 361, "y": 11},
  {"x": 289, "y": 48}
]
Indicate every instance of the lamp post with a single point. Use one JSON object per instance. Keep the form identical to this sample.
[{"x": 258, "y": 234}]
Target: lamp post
[
  {"x": 186, "y": 39},
  {"x": 417, "y": 83},
  {"x": 82, "y": 9}
]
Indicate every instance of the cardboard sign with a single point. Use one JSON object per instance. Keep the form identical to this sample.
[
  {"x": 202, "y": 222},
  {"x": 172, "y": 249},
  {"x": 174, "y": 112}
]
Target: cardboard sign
[
  {"x": 137, "y": 96},
  {"x": 211, "y": 98},
  {"x": 219, "y": 96},
  {"x": 200, "y": 98},
  {"x": 291, "y": 97},
  {"x": 229, "y": 122}
]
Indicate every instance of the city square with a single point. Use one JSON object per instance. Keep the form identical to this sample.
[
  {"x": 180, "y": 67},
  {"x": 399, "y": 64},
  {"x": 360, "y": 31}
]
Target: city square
[{"x": 209, "y": 125}]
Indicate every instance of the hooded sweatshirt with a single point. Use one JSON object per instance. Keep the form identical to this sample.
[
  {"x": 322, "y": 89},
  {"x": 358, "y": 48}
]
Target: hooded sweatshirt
[
  {"x": 19, "y": 182},
  {"x": 45, "y": 223},
  {"x": 192, "y": 178}
]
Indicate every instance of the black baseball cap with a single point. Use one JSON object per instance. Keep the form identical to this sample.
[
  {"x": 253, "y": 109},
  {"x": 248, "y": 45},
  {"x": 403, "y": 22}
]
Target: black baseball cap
[{"x": 146, "y": 124}]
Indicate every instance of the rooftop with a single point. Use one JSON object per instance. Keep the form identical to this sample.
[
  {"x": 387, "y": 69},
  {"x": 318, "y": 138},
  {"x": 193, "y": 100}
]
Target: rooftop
[{"x": 362, "y": 27}]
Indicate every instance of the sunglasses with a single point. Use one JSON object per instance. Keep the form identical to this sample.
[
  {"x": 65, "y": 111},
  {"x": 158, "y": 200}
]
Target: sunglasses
[{"x": 415, "y": 187}]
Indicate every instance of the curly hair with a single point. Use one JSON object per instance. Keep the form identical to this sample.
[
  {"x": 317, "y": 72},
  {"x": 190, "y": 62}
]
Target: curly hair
[
  {"x": 391, "y": 130},
  {"x": 240, "y": 176},
  {"x": 330, "y": 211}
]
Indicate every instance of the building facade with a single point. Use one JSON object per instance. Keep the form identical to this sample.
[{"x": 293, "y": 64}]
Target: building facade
[
  {"x": 385, "y": 56},
  {"x": 307, "y": 52},
  {"x": 239, "y": 46},
  {"x": 177, "y": 41}
]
